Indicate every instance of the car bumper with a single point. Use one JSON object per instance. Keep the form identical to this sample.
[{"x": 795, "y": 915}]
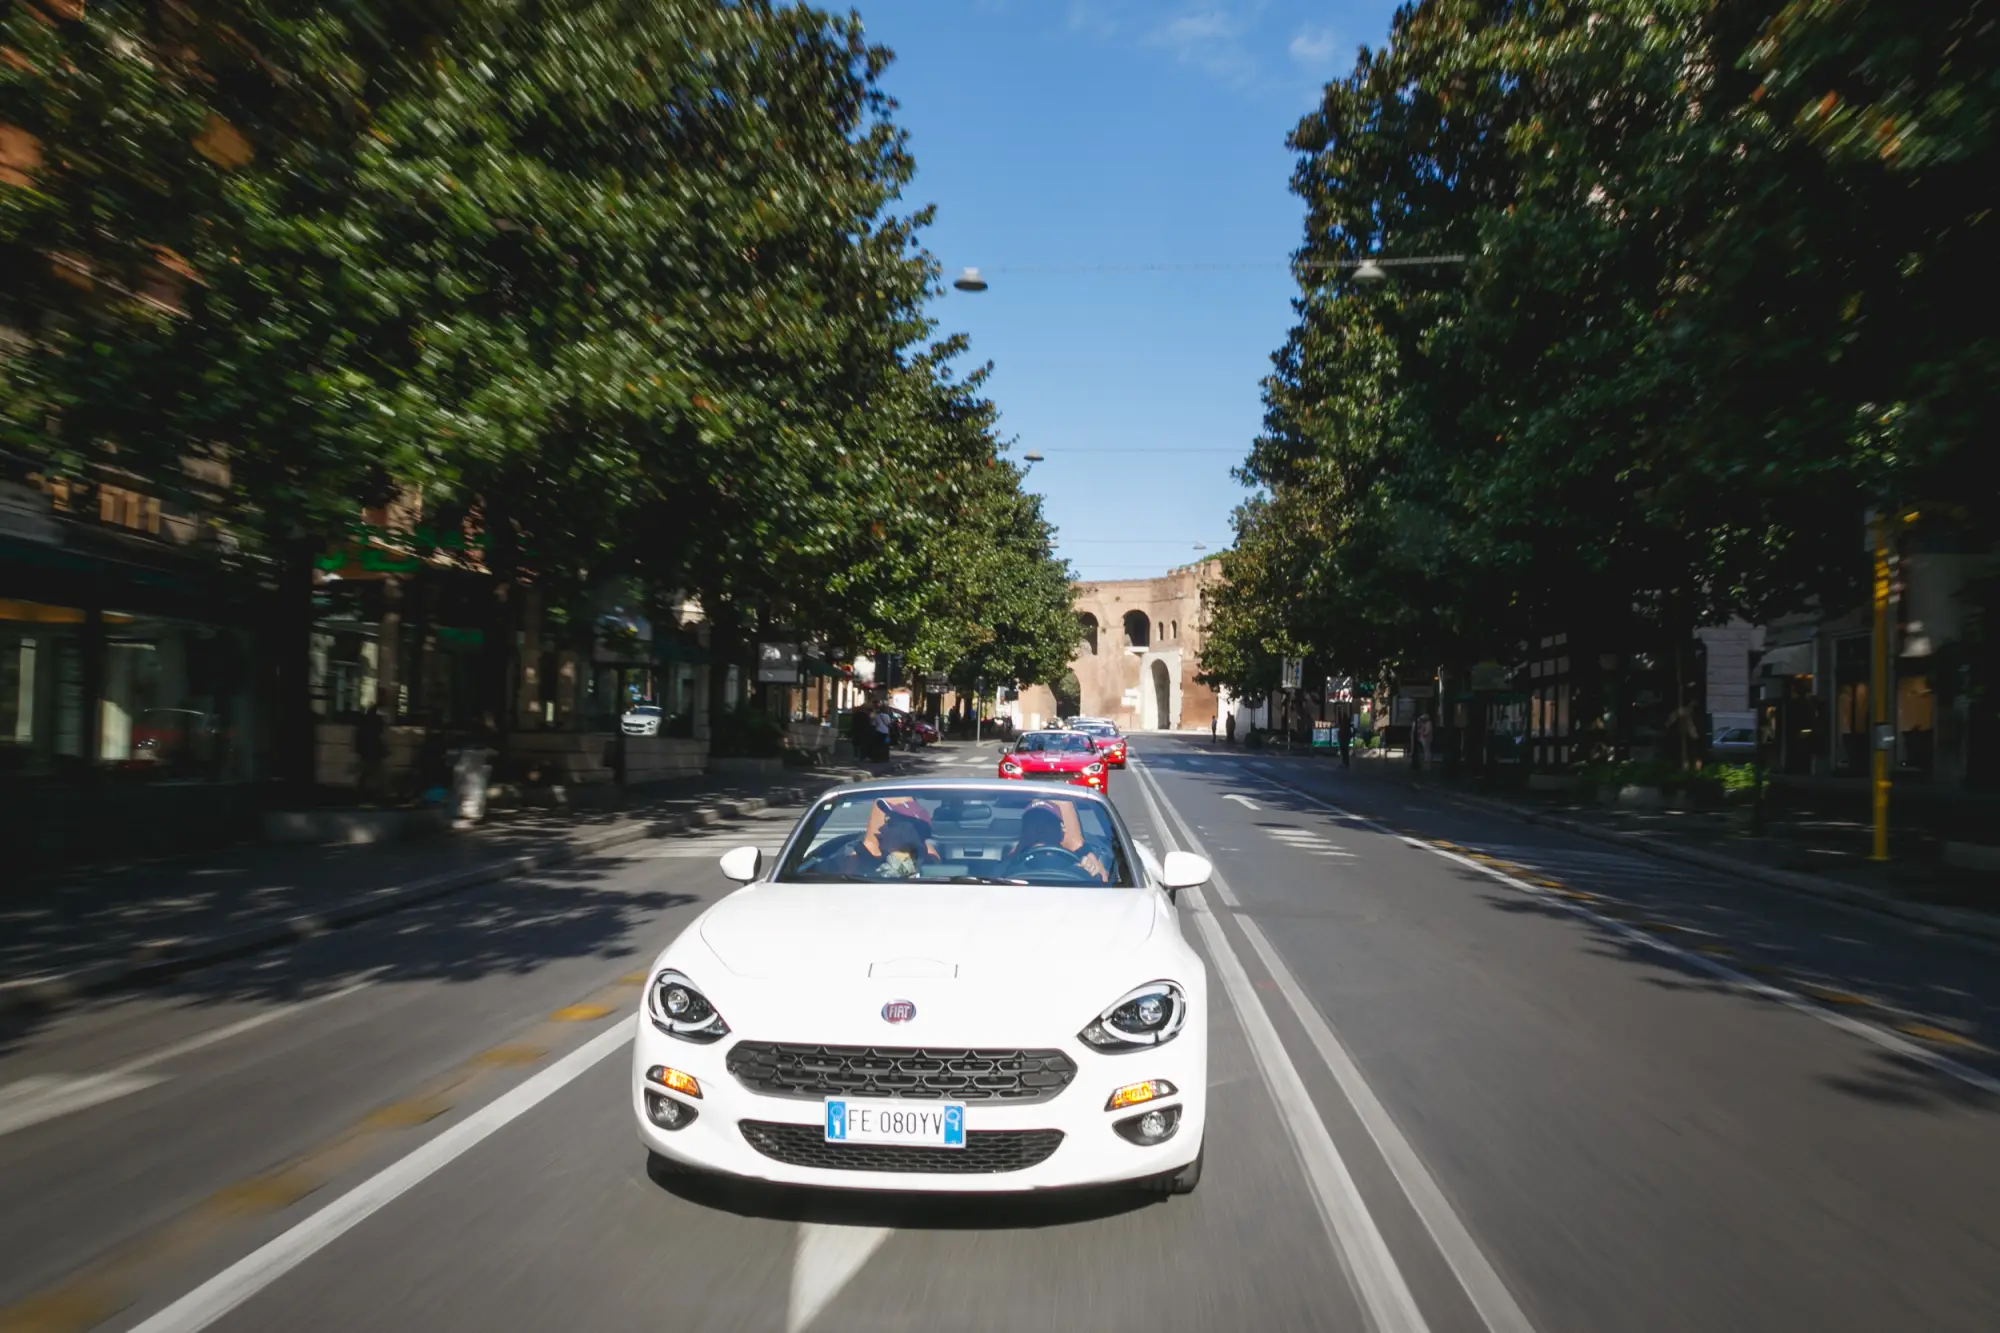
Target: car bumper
[
  {"x": 1094, "y": 783},
  {"x": 1090, "y": 1152}
]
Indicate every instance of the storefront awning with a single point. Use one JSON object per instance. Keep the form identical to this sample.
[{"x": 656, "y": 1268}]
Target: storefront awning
[
  {"x": 1791, "y": 659},
  {"x": 679, "y": 650}
]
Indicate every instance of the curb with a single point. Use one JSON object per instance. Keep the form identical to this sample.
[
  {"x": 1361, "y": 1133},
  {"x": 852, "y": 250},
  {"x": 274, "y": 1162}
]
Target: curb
[
  {"x": 1977, "y": 925},
  {"x": 52, "y": 990}
]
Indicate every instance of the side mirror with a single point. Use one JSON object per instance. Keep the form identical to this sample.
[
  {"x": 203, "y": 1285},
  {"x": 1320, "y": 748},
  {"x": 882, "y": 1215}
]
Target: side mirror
[
  {"x": 1184, "y": 870},
  {"x": 742, "y": 863}
]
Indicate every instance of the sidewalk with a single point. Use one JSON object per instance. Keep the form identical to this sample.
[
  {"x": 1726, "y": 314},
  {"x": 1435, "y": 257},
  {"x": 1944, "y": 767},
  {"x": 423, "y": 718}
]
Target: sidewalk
[
  {"x": 66, "y": 936},
  {"x": 1803, "y": 852}
]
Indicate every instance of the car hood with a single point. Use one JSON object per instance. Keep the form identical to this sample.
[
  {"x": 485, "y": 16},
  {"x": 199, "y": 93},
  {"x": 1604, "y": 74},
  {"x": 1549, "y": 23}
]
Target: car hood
[
  {"x": 1058, "y": 762},
  {"x": 924, "y": 930}
]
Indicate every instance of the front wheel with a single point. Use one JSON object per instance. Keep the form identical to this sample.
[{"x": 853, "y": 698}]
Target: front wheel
[{"x": 1182, "y": 1181}]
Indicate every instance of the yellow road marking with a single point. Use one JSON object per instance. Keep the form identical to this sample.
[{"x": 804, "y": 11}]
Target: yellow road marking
[
  {"x": 1830, "y": 996},
  {"x": 632, "y": 979},
  {"x": 1715, "y": 951},
  {"x": 267, "y": 1194},
  {"x": 1942, "y": 1036},
  {"x": 402, "y": 1115},
  {"x": 511, "y": 1055},
  {"x": 56, "y": 1312},
  {"x": 110, "y": 1282}
]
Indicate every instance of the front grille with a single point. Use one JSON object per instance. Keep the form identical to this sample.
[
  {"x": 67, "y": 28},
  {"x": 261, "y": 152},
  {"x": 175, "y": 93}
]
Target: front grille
[
  {"x": 1052, "y": 777},
  {"x": 986, "y": 1151},
  {"x": 785, "y": 1069}
]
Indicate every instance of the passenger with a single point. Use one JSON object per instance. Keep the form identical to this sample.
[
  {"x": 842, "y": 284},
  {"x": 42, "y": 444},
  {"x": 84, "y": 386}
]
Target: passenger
[{"x": 895, "y": 845}]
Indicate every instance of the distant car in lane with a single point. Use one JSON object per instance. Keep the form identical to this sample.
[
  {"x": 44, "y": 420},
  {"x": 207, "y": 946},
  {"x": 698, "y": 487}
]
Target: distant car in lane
[
  {"x": 1055, "y": 756},
  {"x": 1106, "y": 737}
]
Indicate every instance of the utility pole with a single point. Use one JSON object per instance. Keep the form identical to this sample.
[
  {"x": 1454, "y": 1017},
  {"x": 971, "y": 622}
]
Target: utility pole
[{"x": 1883, "y": 735}]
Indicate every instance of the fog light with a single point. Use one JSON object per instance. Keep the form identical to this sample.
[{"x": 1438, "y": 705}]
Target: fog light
[
  {"x": 685, "y": 1084},
  {"x": 667, "y": 1113},
  {"x": 1133, "y": 1094},
  {"x": 1155, "y": 1126}
]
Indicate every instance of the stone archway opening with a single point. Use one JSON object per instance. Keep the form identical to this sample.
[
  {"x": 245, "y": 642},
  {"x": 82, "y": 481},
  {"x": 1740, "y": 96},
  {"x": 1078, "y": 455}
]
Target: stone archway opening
[
  {"x": 1163, "y": 696},
  {"x": 1088, "y": 623},
  {"x": 1138, "y": 629}
]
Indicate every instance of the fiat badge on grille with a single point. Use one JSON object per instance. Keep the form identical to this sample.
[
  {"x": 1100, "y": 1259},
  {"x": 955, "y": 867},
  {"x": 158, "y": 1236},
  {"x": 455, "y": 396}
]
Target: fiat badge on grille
[{"x": 898, "y": 1011}]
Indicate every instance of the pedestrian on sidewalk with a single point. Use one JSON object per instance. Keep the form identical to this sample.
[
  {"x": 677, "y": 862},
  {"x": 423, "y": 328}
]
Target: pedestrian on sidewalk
[
  {"x": 1423, "y": 746},
  {"x": 882, "y": 741},
  {"x": 1345, "y": 734}
]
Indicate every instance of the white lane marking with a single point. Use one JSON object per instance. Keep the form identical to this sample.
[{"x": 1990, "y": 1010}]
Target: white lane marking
[
  {"x": 1357, "y": 1241},
  {"x": 40, "y": 1097},
  {"x": 1483, "y": 1286},
  {"x": 824, "y": 1261},
  {"x": 261, "y": 1267},
  {"x": 47, "y": 1096},
  {"x": 1882, "y": 1037},
  {"x": 1244, "y": 801}
]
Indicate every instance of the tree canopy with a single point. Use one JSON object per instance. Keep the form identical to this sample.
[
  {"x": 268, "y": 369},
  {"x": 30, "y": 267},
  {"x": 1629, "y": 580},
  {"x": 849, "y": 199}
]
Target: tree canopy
[
  {"x": 628, "y": 288},
  {"x": 1720, "y": 296}
]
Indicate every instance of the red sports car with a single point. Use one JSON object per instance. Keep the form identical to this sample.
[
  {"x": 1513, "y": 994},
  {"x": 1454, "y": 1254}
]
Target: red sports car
[
  {"x": 1056, "y": 756},
  {"x": 1111, "y": 745}
]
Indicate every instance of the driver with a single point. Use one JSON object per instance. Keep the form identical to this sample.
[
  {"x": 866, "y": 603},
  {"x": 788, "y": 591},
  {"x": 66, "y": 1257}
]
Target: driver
[
  {"x": 897, "y": 841},
  {"x": 1053, "y": 824}
]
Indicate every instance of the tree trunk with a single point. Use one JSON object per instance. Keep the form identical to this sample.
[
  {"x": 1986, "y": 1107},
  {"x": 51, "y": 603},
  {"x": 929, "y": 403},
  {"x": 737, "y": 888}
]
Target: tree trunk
[
  {"x": 725, "y": 646},
  {"x": 291, "y": 623}
]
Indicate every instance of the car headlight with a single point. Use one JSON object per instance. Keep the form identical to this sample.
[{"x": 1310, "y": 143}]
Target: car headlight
[
  {"x": 678, "y": 1009},
  {"x": 1010, "y": 767},
  {"x": 1147, "y": 1016},
  {"x": 1093, "y": 769}
]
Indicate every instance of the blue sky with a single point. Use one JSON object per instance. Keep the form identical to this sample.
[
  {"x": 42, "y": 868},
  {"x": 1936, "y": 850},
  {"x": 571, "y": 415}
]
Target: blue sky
[{"x": 1059, "y": 137}]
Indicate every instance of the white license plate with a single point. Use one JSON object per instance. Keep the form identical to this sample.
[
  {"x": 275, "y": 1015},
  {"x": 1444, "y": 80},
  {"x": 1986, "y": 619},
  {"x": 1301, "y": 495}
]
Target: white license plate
[{"x": 918, "y": 1124}]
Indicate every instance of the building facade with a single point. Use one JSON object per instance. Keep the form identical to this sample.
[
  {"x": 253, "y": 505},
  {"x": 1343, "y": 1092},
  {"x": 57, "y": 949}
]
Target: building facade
[{"x": 1140, "y": 652}]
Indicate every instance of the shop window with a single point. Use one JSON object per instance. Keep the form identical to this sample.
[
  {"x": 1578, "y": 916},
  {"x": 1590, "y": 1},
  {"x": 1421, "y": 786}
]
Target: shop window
[
  {"x": 1850, "y": 704},
  {"x": 1915, "y": 719},
  {"x": 41, "y": 686},
  {"x": 175, "y": 701}
]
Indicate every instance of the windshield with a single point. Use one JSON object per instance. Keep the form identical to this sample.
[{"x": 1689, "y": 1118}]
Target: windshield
[
  {"x": 1053, "y": 742},
  {"x": 645, "y": 708},
  {"x": 961, "y": 837}
]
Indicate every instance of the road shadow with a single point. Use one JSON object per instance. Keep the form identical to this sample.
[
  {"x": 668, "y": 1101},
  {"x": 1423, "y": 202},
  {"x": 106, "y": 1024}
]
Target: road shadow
[
  {"x": 582, "y": 908},
  {"x": 903, "y": 1212},
  {"x": 1794, "y": 944},
  {"x": 1894, "y": 1079}
]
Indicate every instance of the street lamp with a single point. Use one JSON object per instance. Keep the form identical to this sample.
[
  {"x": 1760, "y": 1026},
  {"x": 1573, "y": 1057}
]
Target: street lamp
[
  {"x": 969, "y": 280},
  {"x": 1032, "y": 457},
  {"x": 1369, "y": 271}
]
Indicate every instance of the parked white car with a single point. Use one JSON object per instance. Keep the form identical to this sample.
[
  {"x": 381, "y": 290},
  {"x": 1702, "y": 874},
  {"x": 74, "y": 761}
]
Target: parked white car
[
  {"x": 955, "y": 985},
  {"x": 642, "y": 720}
]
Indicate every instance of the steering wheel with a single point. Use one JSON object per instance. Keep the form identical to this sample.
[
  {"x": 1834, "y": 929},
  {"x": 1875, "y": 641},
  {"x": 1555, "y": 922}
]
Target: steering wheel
[{"x": 1049, "y": 851}]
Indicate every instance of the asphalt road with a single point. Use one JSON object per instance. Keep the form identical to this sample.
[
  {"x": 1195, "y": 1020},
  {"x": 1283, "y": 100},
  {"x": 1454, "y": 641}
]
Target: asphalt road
[{"x": 1455, "y": 1087}]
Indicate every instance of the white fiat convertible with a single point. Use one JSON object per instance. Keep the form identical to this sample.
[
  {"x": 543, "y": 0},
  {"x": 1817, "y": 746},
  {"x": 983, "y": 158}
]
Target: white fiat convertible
[{"x": 962, "y": 985}]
